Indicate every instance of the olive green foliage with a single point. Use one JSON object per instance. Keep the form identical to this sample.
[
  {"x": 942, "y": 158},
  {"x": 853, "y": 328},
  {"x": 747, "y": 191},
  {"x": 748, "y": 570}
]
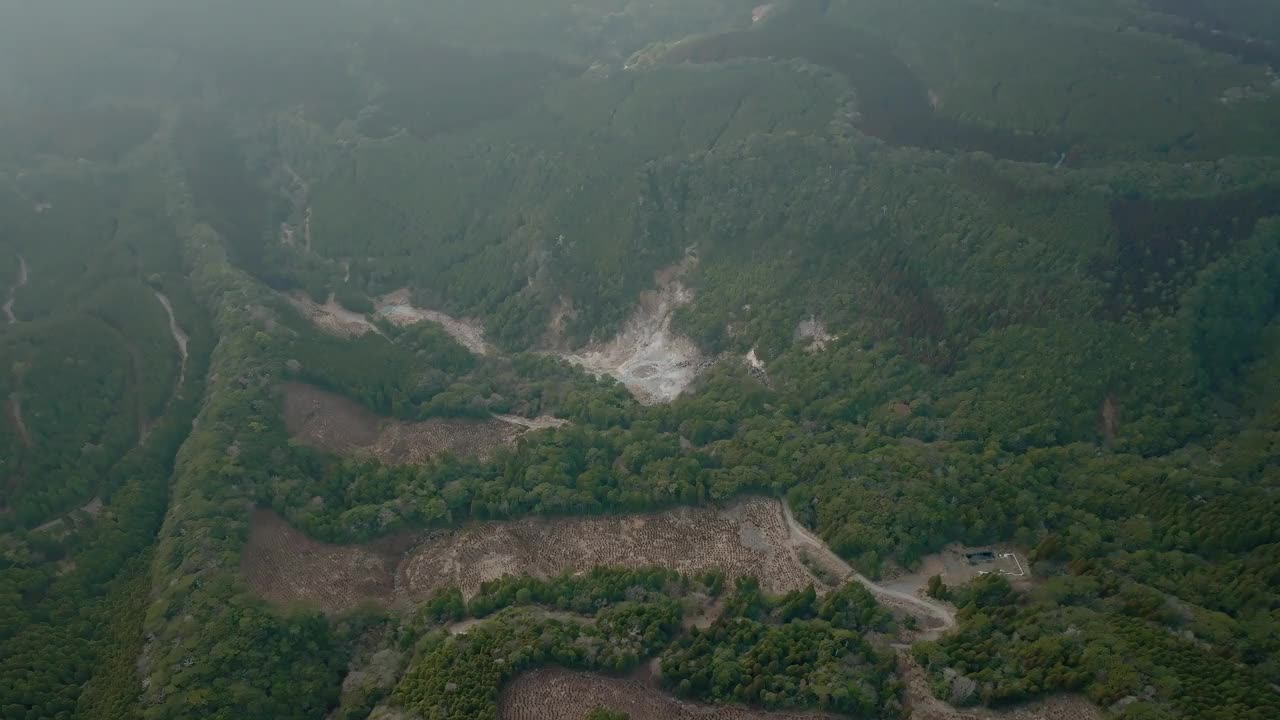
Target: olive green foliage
[
  {"x": 460, "y": 677},
  {"x": 796, "y": 651},
  {"x": 584, "y": 593},
  {"x": 75, "y": 591},
  {"x": 1063, "y": 91},
  {"x": 560, "y": 187},
  {"x": 1095, "y": 632},
  {"x": 90, "y": 364},
  {"x": 1036, "y": 232}
]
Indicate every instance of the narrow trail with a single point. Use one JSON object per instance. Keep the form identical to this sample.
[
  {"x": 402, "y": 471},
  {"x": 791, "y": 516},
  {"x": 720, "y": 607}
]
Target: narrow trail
[
  {"x": 935, "y": 610},
  {"x": 23, "y": 273},
  {"x": 15, "y": 414},
  {"x": 181, "y": 339}
]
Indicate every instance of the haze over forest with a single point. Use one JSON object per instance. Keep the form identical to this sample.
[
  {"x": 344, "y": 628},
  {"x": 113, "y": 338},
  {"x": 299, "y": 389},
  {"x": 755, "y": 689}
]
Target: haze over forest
[{"x": 640, "y": 359}]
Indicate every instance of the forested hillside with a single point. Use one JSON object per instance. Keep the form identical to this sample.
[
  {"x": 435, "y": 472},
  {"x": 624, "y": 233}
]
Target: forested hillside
[{"x": 953, "y": 322}]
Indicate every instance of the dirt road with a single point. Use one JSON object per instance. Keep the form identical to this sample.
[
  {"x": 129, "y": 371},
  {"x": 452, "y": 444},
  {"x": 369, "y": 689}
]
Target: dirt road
[
  {"x": 15, "y": 414},
  {"x": 912, "y": 603},
  {"x": 23, "y": 272}
]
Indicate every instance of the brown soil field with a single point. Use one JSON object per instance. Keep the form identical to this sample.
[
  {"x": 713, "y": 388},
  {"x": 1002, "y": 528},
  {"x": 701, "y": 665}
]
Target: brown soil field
[
  {"x": 285, "y": 566},
  {"x": 327, "y": 421},
  {"x": 564, "y": 695},
  {"x": 750, "y": 537}
]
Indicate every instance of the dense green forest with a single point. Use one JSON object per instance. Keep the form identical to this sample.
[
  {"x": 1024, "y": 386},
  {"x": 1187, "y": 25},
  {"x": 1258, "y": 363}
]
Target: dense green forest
[{"x": 1010, "y": 272}]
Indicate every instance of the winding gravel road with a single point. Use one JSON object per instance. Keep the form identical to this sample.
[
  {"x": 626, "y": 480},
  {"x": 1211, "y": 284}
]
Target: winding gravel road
[{"x": 935, "y": 610}]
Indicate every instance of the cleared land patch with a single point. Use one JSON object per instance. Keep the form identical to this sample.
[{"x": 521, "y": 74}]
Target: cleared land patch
[
  {"x": 563, "y": 695},
  {"x": 750, "y": 537},
  {"x": 285, "y": 566},
  {"x": 328, "y": 421}
]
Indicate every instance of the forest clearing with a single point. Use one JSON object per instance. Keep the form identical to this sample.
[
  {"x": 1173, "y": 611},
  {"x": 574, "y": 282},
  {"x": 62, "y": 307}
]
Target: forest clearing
[
  {"x": 753, "y": 537},
  {"x": 330, "y": 422},
  {"x": 747, "y": 538},
  {"x": 564, "y": 695}
]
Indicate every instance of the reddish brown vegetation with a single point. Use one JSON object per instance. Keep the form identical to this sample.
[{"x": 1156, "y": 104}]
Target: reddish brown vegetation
[
  {"x": 330, "y": 422},
  {"x": 750, "y": 538},
  {"x": 564, "y": 695},
  {"x": 285, "y": 566}
]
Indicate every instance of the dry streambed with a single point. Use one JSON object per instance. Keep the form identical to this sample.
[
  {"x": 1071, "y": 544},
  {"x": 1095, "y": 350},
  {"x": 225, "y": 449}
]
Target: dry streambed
[{"x": 398, "y": 310}]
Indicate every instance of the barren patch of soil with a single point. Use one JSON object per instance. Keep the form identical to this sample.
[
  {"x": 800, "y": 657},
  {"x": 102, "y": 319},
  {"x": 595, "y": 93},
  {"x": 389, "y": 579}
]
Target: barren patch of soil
[
  {"x": 647, "y": 356},
  {"x": 285, "y": 566},
  {"x": 748, "y": 538},
  {"x": 688, "y": 540},
  {"x": 331, "y": 317},
  {"x": 401, "y": 443},
  {"x": 327, "y": 421},
  {"x": 563, "y": 695},
  {"x": 397, "y": 309}
]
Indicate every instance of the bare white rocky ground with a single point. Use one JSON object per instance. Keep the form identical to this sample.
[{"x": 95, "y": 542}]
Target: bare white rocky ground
[
  {"x": 331, "y": 317},
  {"x": 655, "y": 363},
  {"x": 814, "y": 332},
  {"x": 397, "y": 309}
]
